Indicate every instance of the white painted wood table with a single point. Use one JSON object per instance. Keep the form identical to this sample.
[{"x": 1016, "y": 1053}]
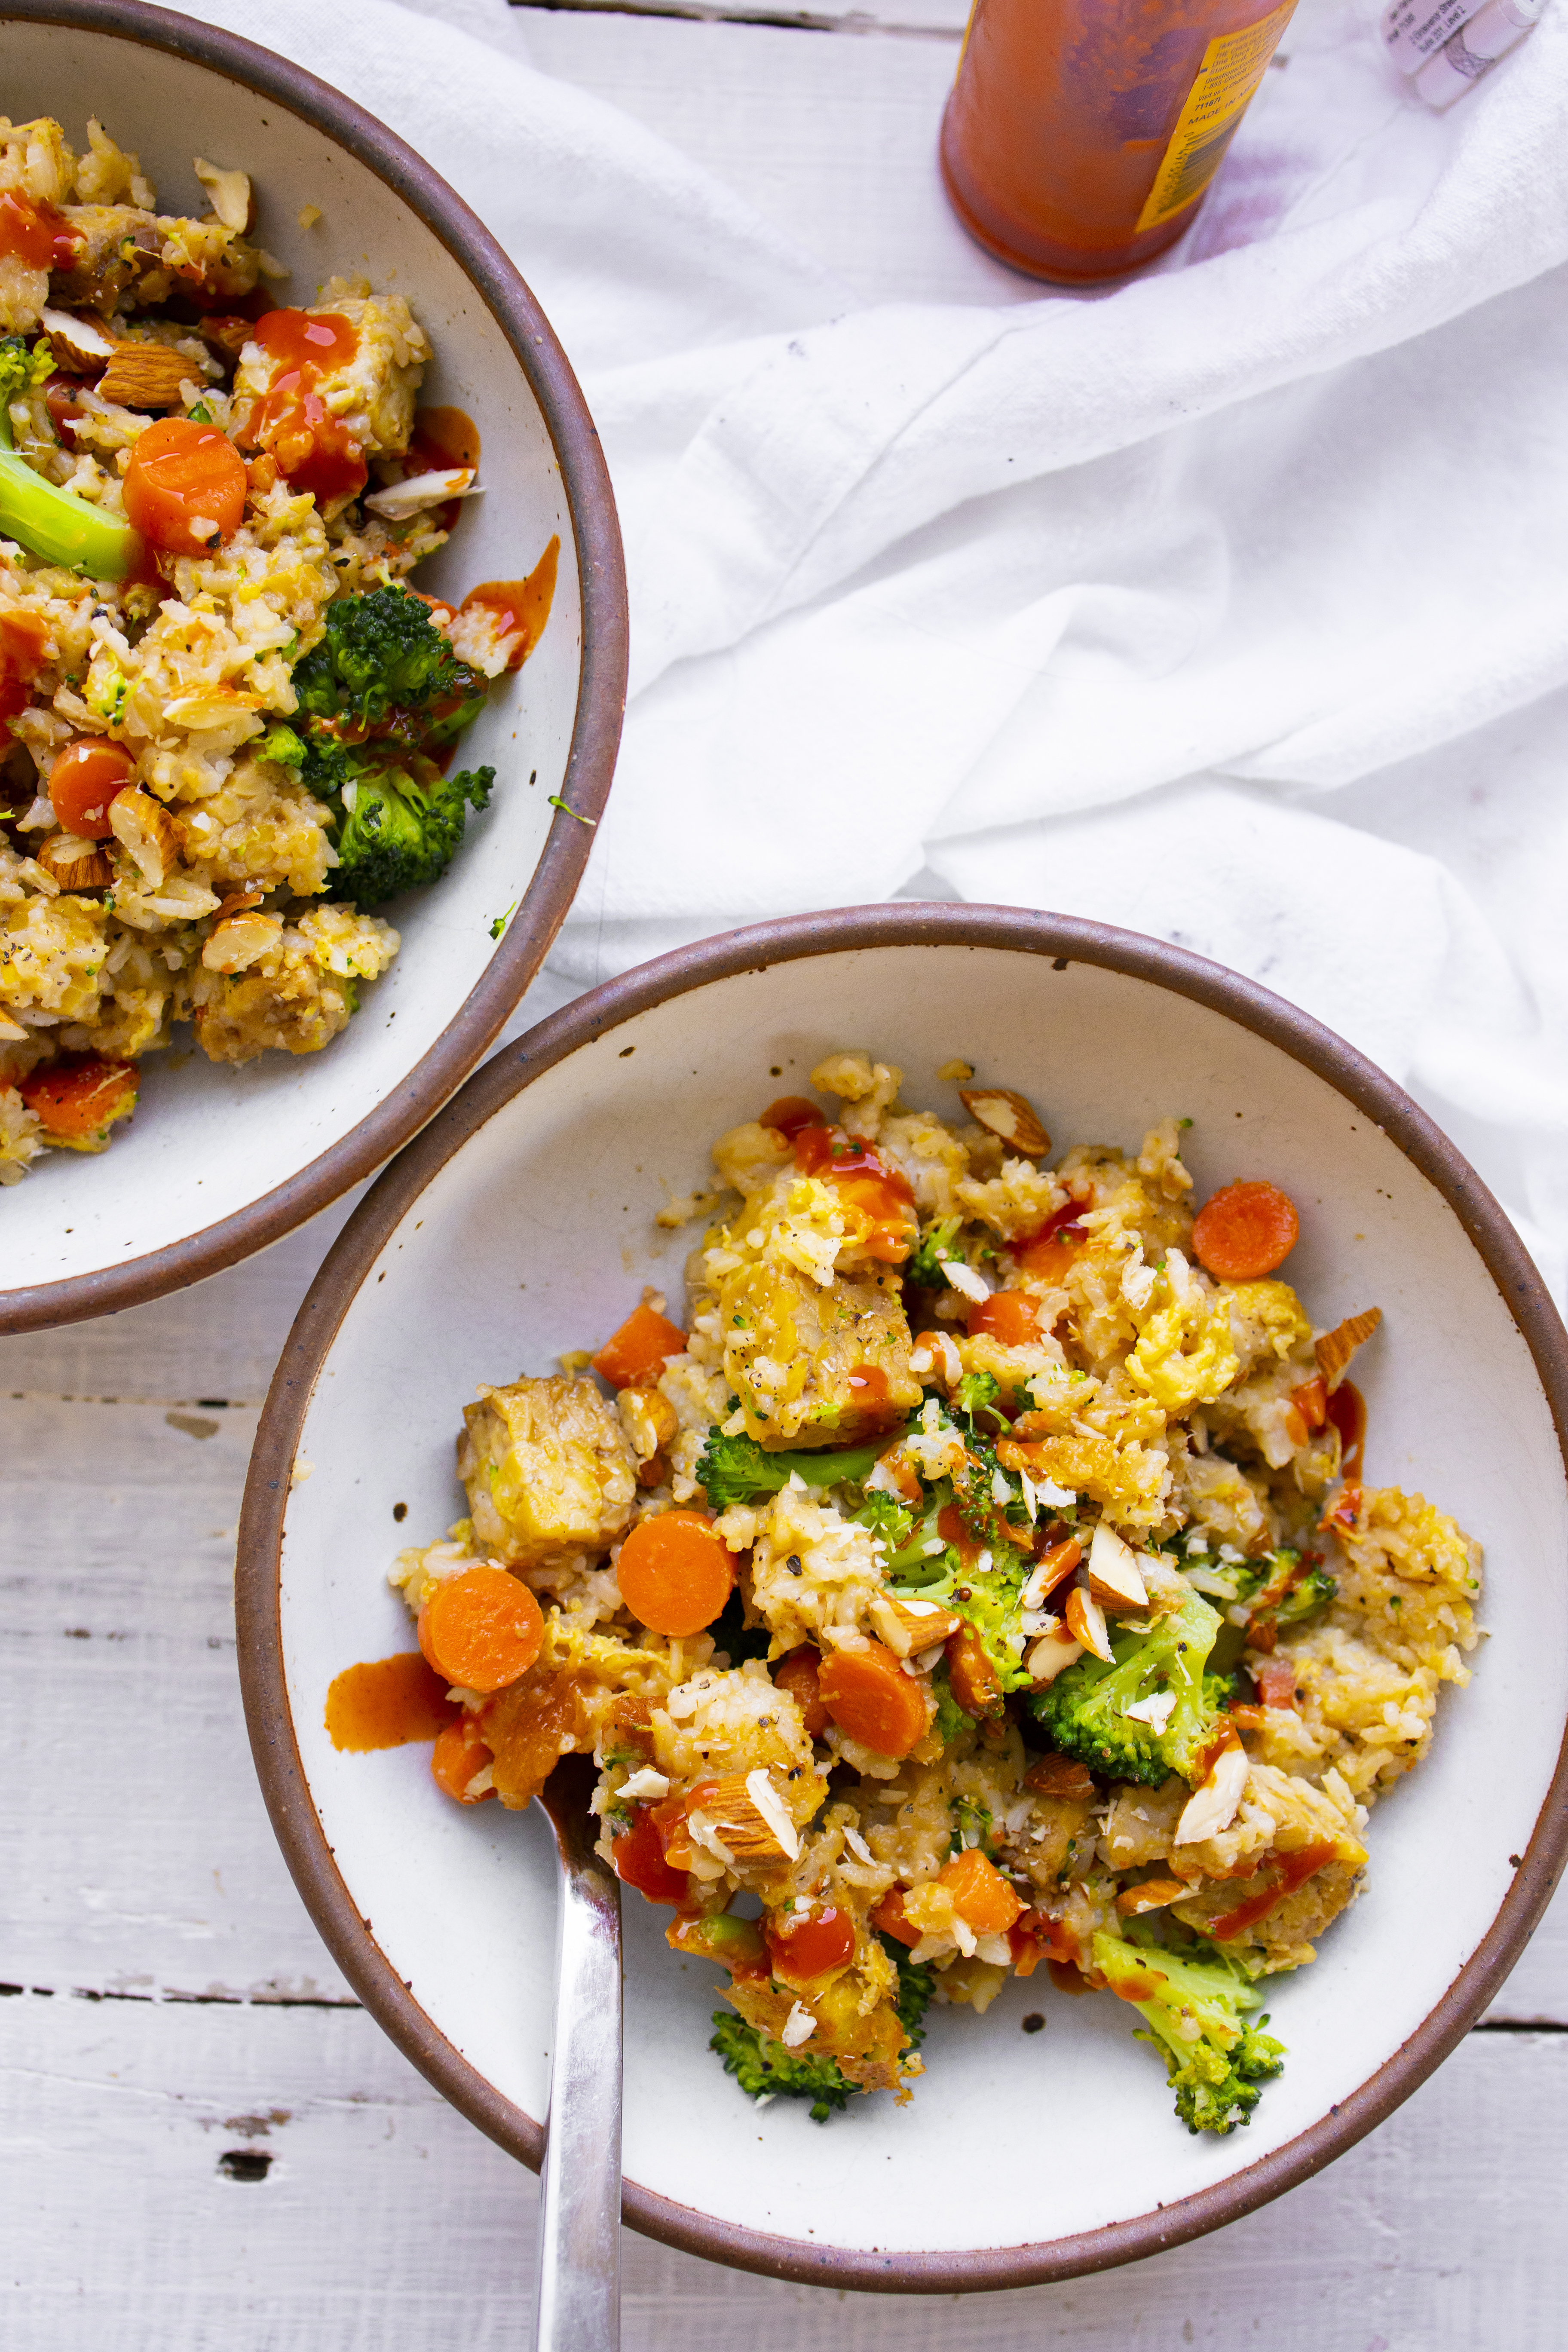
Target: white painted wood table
[{"x": 206, "y": 2141}]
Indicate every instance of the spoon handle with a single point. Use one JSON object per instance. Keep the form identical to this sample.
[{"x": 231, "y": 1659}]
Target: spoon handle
[{"x": 577, "y": 2306}]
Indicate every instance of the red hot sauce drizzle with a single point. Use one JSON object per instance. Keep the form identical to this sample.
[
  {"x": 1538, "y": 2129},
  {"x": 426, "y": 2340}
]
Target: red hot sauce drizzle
[
  {"x": 36, "y": 234},
  {"x": 521, "y": 608},
  {"x": 868, "y": 1183},
  {"x": 1282, "y": 1877},
  {"x": 441, "y": 438},
  {"x": 310, "y": 448},
  {"x": 388, "y": 1702}
]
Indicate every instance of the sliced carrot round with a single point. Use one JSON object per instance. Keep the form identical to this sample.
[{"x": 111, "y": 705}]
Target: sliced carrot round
[
  {"x": 184, "y": 485},
  {"x": 78, "y": 1102},
  {"x": 483, "y": 1629},
  {"x": 675, "y": 1573},
  {"x": 1013, "y": 1317},
  {"x": 981, "y": 1895},
  {"x": 460, "y": 1755},
  {"x": 1246, "y": 1231},
  {"x": 801, "y": 1674},
  {"x": 83, "y": 780},
  {"x": 871, "y": 1699},
  {"x": 634, "y": 1356}
]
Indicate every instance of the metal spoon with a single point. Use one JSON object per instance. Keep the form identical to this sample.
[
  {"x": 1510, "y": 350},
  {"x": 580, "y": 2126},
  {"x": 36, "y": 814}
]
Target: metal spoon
[{"x": 577, "y": 2305}]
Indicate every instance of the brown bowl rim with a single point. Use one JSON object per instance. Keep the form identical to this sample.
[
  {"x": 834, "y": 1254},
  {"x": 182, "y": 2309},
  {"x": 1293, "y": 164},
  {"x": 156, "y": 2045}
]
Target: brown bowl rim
[
  {"x": 596, "y": 727},
  {"x": 258, "y": 1577}
]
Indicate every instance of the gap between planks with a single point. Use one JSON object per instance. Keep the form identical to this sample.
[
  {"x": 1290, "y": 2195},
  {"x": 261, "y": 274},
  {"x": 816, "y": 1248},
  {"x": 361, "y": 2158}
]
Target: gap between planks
[{"x": 942, "y": 25}]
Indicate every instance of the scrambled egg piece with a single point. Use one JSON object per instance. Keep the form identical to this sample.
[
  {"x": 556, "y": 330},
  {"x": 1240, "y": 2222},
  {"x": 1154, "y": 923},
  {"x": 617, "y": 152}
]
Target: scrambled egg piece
[{"x": 814, "y": 1366}]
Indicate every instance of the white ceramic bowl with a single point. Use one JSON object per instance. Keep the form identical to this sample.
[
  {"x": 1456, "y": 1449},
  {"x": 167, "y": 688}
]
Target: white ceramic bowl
[
  {"x": 521, "y": 1224},
  {"x": 220, "y": 1161}
]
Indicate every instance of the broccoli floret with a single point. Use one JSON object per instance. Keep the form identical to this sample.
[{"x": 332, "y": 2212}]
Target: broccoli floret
[
  {"x": 738, "y": 1470},
  {"x": 1313, "y": 1590},
  {"x": 49, "y": 522},
  {"x": 1197, "y": 2010},
  {"x": 402, "y": 827},
  {"x": 889, "y": 1520},
  {"x": 1082, "y": 1712},
  {"x": 917, "y": 1990},
  {"x": 950, "y": 1718},
  {"x": 765, "y": 2069},
  {"x": 281, "y": 743},
  {"x": 924, "y": 1265},
  {"x": 380, "y": 662},
  {"x": 1275, "y": 1586},
  {"x": 974, "y": 1402}
]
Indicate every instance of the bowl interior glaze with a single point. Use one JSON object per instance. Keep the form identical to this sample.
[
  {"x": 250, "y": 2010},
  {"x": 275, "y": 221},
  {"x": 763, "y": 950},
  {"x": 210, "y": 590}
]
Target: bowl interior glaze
[
  {"x": 218, "y": 1160},
  {"x": 1021, "y": 2155}
]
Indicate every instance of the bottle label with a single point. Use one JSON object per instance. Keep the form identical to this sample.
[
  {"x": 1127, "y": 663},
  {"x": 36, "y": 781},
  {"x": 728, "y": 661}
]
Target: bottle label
[{"x": 1234, "y": 64}]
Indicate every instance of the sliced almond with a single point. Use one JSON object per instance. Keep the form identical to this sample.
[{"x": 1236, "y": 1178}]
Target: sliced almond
[
  {"x": 80, "y": 346},
  {"x": 1059, "y": 1776},
  {"x": 1006, "y": 1114},
  {"x": 1086, "y": 1622},
  {"x": 1052, "y": 1654},
  {"x": 648, "y": 1420},
  {"x": 1214, "y": 1806},
  {"x": 229, "y": 193},
  {"x": 226, "y": 334},
  {"x": 1335, "y": 1348},
  {"x": 147, "y": 832},
  {"x": 1113, "y": 1573},
  {"x": 750, "y": 1820},
  {"x": 76, "y": 864},
  {"x": 241, "y": 941},
  {"x": 965, "y": 1279},
  {"x": 415, "y": 495},
  {"x": 146, "y": 375},
  {"x": 909, "y": 1627},
  {"x": 1153, "y": 1894},
  {"x": 238, "y": 901},
  {"x": 1053, "y": 1567}
]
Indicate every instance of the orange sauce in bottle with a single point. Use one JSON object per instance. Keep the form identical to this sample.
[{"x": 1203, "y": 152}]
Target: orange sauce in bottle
[
  {"x": 1081, "y": 134},
  {"x": 388, "y": 1702},
  {"x": 521, "y": 605}
]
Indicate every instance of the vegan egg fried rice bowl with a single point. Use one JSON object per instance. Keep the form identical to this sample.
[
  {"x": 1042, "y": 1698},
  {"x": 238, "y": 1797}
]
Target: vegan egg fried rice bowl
[
  {"x": 984, "y": 1576},
  {"x": 227, "y": 725}
]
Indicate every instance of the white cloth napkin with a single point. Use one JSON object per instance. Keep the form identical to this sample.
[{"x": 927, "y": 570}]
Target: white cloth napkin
[{"x": 1231, "y": 606}]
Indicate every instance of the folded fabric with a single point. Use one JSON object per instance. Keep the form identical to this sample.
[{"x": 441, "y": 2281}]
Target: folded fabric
[{"x": 1227, "y": 604}]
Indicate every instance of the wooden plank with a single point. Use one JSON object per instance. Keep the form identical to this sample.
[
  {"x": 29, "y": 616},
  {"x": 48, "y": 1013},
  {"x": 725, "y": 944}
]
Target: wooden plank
[
  {"x": 136, "y": 1849},
  {"x": 832, "y": 140},
  {"x": 187, "y": 2178}
]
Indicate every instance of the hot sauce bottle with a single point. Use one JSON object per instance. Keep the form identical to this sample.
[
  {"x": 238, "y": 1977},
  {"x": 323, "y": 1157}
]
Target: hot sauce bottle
[{"x": 1081, "y": 134}]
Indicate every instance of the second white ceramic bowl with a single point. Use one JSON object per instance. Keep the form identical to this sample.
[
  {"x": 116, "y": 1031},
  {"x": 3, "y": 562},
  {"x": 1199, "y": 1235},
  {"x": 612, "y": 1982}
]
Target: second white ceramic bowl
[
  {"x": 220, "y": 1161},
  {"x": 521, "y": 1225}
]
